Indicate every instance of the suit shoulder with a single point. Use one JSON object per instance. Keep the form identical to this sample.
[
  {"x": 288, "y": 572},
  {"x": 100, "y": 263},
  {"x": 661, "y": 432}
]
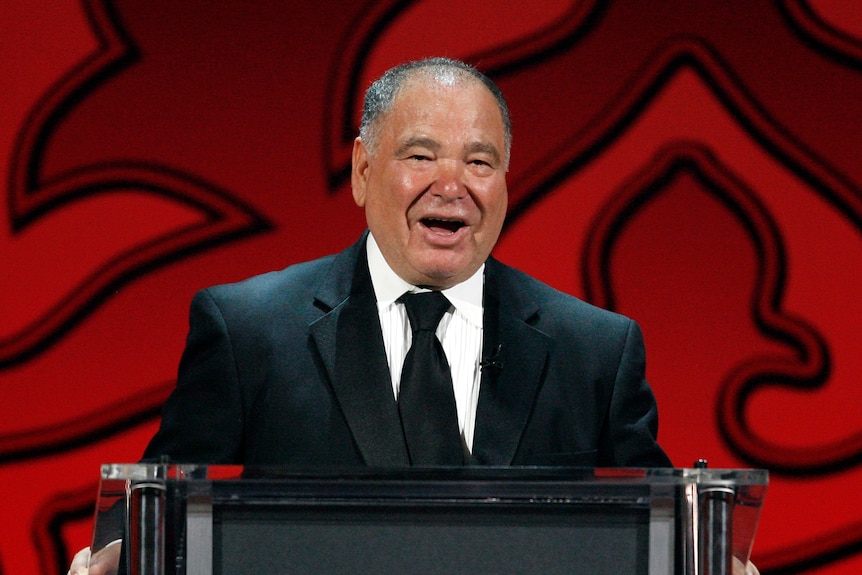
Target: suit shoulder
[
  {"x": 298, "y": 275},
  {"x": 295, "y": 281},
  {"x": 554, "y": 305}
]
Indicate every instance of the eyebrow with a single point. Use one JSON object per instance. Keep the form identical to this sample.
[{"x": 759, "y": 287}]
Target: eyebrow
[
  {"x": 484, "y": 148},
  {"x": 420, "y": 142}
]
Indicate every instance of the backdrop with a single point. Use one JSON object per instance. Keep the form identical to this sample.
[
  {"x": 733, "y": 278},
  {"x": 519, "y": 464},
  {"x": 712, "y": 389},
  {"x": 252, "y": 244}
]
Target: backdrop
[{"x": 692, "y": 164}]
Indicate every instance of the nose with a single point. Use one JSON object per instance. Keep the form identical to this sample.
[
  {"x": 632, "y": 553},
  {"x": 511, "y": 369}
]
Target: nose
[{"x": 449, "y": 183}]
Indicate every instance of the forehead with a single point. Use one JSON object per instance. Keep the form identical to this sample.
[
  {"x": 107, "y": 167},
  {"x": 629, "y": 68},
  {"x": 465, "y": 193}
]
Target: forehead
[{"x": 448, "y": 103}]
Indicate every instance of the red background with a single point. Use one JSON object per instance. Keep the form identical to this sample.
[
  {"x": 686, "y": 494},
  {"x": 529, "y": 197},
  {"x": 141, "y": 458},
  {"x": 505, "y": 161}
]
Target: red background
[{"x": 693, "y": 164}]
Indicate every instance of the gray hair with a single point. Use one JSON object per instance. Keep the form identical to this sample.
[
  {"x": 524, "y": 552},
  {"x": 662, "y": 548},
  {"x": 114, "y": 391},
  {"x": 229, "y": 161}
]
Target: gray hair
[{"x": 381, "y": 95}]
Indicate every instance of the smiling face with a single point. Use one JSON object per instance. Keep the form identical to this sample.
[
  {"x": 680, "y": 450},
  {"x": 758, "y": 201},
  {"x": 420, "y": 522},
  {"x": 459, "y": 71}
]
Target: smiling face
[{"x": 434, "y": 187}]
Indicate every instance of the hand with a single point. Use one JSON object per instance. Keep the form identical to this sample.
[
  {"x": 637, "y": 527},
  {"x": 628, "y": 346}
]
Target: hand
[
  {"x": 106, "y": 561},
  {"x": 739, "y": 569},
  {"x": 80, "y": 562}
]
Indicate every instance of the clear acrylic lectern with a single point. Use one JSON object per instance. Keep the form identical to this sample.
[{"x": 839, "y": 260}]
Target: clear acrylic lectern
[{"x": 212, "y": 520}]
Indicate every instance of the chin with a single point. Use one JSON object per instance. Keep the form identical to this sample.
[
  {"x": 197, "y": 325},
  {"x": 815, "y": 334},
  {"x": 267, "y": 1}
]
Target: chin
[
  {"x": 446, "y": 278},
  {"x": 444, "y": 271}
]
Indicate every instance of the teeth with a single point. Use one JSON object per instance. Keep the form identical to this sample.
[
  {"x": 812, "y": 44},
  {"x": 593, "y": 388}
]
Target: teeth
[
  {"x": 444, "y": 220},
  {"x": 451, "y": 225}
]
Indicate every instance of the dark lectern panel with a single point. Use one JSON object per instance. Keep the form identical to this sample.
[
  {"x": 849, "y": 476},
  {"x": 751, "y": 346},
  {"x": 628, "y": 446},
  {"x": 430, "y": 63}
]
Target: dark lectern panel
[{"x": 334, "y": 540}]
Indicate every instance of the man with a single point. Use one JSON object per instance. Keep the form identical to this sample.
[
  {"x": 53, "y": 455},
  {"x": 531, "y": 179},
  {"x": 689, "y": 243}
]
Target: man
[{"x": 304, "y": 366}]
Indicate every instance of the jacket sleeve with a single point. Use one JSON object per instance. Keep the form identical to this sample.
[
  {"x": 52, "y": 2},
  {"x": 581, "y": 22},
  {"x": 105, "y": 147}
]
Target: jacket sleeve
[
  {"x": 202, "y": 421},
  {"x": 629, "y": 436}
]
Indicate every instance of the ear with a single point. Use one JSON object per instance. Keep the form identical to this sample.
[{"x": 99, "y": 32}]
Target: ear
[{"x": 359, "y": 172}]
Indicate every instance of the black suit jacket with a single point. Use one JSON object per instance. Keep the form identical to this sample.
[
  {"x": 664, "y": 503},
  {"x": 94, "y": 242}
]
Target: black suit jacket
[{"x": 289, "y": 368}]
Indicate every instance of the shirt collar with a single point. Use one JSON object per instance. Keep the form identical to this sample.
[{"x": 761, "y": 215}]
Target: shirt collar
[{"x": 466, "y": 296}]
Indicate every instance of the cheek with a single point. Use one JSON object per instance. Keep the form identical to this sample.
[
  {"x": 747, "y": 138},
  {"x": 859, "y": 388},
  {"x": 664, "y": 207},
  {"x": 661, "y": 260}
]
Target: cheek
[
  {"x": 406, "y": 180},
  {"x": 495, "y": 203},
  {"x": 398, "y": 190},
  {"x": 386, "y": 212}
]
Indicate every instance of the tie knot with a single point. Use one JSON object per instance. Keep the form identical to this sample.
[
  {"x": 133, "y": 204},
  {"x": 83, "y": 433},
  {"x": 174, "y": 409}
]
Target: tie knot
[{"x": 425, "y": 310}]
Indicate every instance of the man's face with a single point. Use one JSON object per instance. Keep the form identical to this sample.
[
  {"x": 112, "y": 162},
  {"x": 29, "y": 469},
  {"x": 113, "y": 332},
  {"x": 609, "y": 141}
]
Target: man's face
[{"x": 434, "y": 189}]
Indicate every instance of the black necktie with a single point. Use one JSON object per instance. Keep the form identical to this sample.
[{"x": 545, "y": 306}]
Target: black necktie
[{"x": 426, "y": 399}]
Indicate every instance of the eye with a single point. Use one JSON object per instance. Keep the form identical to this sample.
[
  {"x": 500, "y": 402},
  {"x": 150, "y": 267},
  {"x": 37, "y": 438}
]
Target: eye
[
  {"x": 420, "y": 157},
  {"x": 481, "y": 166}
]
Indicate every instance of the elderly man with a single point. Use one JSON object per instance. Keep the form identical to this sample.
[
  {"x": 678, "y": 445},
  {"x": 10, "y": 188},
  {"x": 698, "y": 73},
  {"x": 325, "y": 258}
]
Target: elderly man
[
  {"x": 304, "y": 366},
  {"x": 333, "y": 362}
]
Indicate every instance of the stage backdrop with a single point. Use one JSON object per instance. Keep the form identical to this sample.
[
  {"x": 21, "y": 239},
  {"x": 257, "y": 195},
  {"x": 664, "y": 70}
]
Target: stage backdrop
[{"x": 693, "y": 164}]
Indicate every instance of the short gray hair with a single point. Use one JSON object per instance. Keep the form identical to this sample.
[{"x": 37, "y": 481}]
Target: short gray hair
[{"x": 381, "y": 95}]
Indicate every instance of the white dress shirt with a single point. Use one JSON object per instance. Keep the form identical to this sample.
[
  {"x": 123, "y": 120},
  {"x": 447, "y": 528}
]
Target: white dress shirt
[{"x": 459, "y": 332}]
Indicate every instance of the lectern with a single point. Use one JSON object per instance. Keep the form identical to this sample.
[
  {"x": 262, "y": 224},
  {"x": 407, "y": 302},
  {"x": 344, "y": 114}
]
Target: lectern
[{"x": 212, "y": 520}]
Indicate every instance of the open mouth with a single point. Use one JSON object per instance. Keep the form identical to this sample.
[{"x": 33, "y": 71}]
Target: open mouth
[{"x": 442, "y": 226}]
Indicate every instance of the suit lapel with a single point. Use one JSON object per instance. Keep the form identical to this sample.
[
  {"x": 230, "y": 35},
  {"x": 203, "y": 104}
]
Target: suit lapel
[
  {"x": 350, "y": 343},
  {"x": 512, "y": 380}
]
